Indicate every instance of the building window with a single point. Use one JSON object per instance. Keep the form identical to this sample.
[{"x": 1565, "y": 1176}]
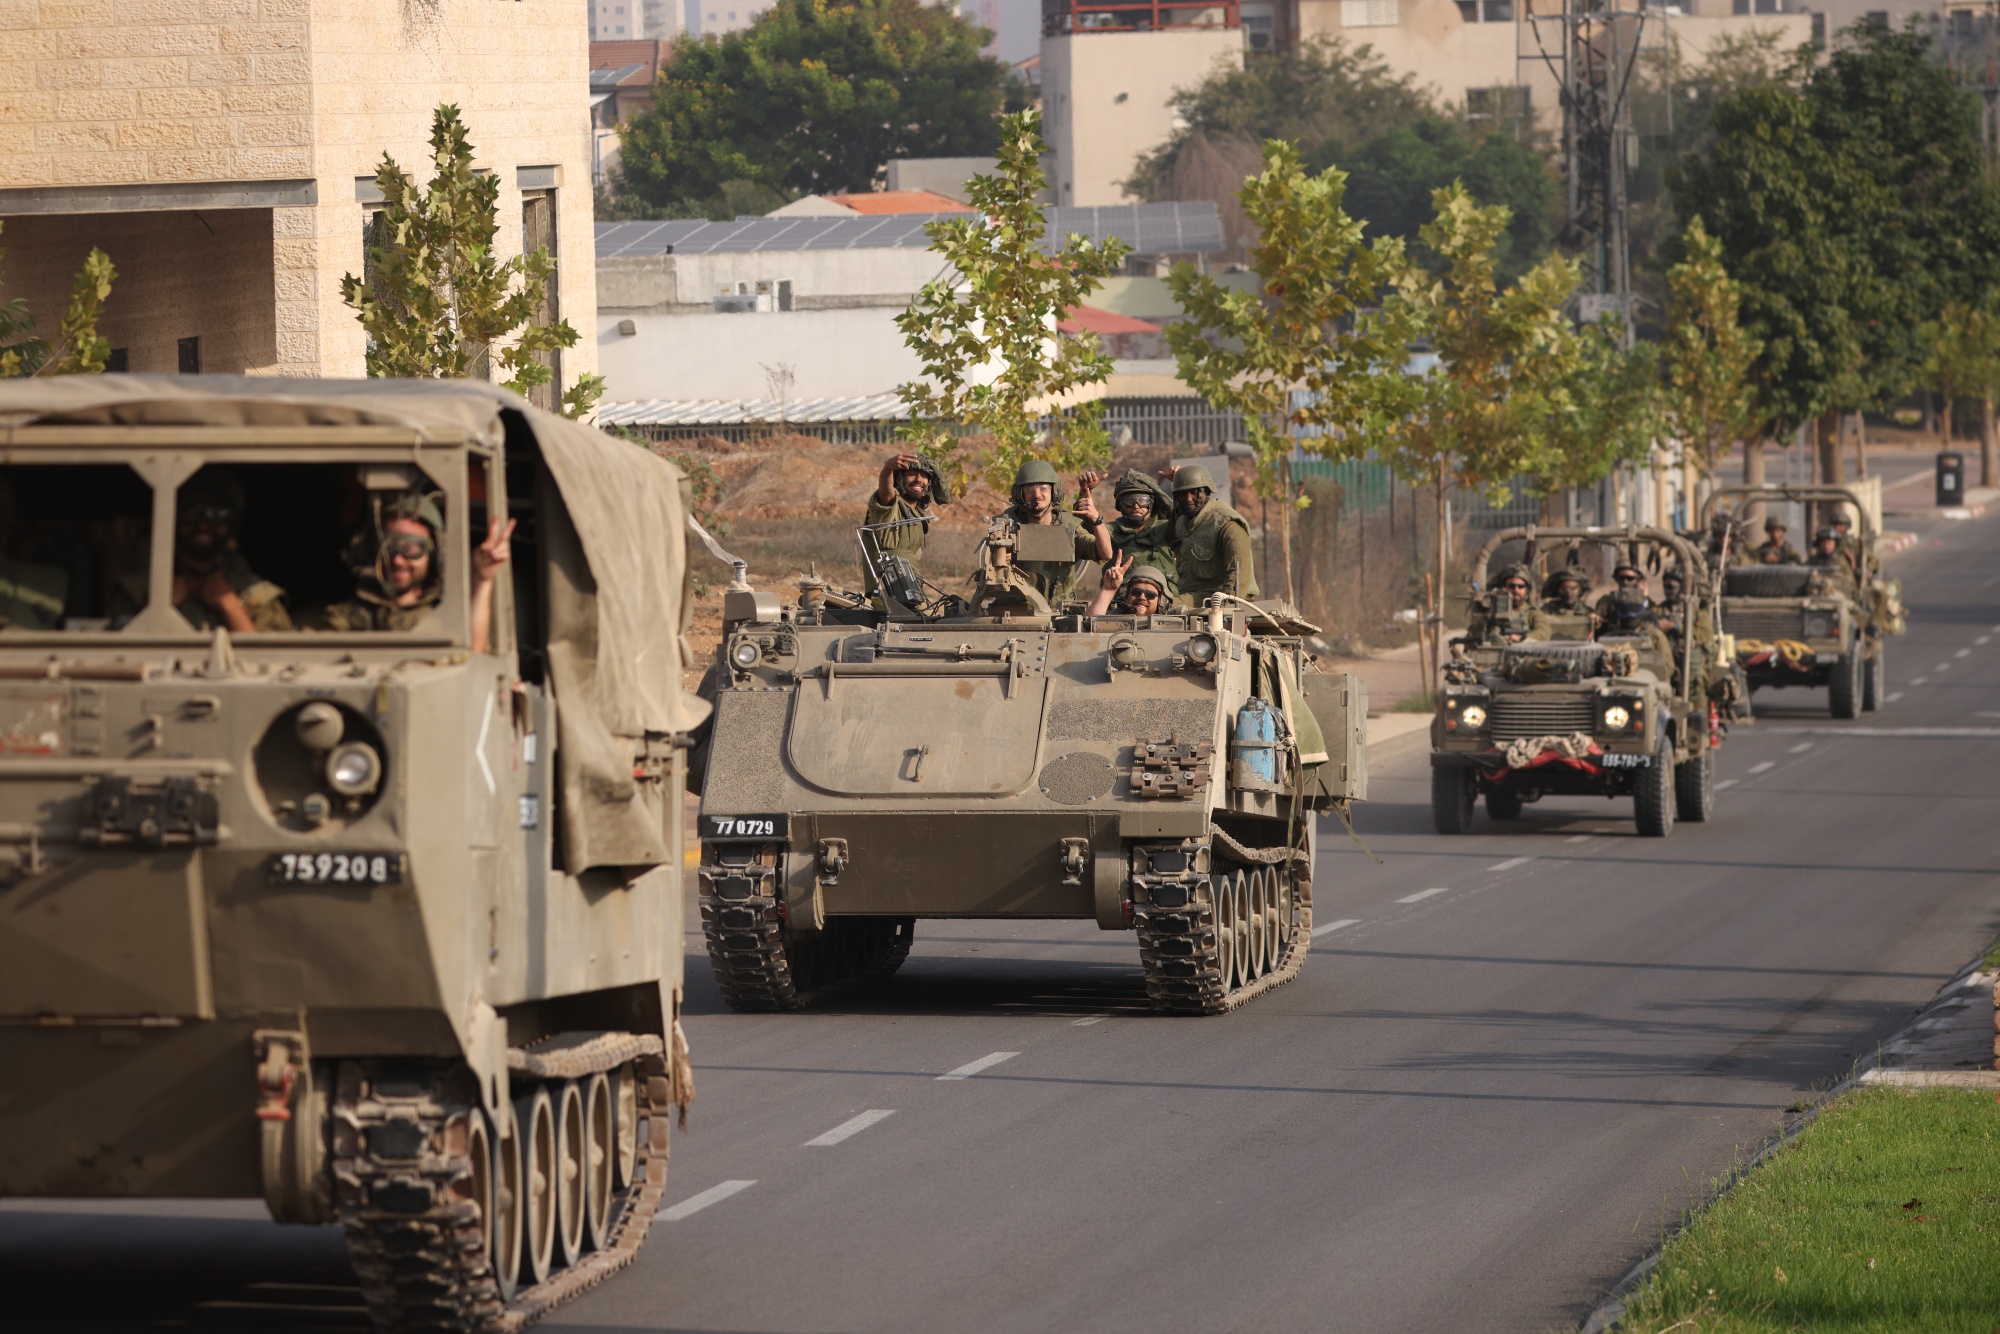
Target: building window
[
  {"x": 1369, "y": 14},
  {"x": 1486, "y": 11},
  {"x": 190, "y": 356},
  {"x": 538, "y": 232},
  {"x": 1507, "y": 104}
]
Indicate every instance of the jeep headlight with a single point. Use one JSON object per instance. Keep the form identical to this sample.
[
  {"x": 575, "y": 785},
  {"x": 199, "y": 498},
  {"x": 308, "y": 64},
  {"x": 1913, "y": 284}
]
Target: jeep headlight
[
  {"x": 1617, "y": 718},
  {"x": 1621, "y": 715},
  {"x": 1818, "y": 625},
  {"x": 1473, "y": 716},
  {"x": 746, "y": 654},
  {"x": 353, "y": 770}
]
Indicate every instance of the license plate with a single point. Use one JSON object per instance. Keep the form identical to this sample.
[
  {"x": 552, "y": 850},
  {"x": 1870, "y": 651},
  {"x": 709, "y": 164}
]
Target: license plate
[
  {"x": 1616, "y": 761},
  {"x": 724, "y": 828},
  {"x": 334, "y": 868}
]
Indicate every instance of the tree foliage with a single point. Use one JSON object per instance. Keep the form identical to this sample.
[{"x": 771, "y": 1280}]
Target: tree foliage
[
  {"x": 77, "y": 349},
  {"x": 1313, "y": 327},
  {"x": 986, "y": 331},
  {"x": 438, "y": 302},
  {"x": 813, "y": 97},
  {"x": 1711, "y": 400},
  {"x": 1964, "y": 356},
  {"x": 1605, "y": 410}
]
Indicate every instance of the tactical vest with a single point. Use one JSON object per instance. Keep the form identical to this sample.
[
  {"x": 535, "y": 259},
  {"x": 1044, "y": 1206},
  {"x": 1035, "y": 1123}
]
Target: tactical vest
[
  {"x": 906, "y": 540},
  {"x": 1151, "y": 545},
  {"x": 1201, "y": 567}
]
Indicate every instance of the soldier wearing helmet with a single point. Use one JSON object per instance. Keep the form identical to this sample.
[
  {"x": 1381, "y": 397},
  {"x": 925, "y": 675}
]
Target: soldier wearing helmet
[
  {"x": 1037, "y": 496},
  {"x": 1212, "y": 541},
  {"x": 213, "y": 582},
  {"x": 1836, "y": 572},
  {"x": 906, "y": 492},
  {"x": 399, "y": 571},
  {"x": 1143, "y": 530},
  {"x": 1508, "y": 615},
  {"x": 1131, "y": 590},
  {"x": 1624, "y": 577},
  {"x": 1629, "y": 613},
  {"x": 1774, "y": 549}
]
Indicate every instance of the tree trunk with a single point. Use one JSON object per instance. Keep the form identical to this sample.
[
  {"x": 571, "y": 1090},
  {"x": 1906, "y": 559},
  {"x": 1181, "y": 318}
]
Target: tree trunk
[
  {"x": 1753, "y": 475},
  {"x": 1831, "y": 473},
  {"x": 1437, "y": 605},
  {"x": 1285, "y": 527},
  {"x": 1987, "y": 443},
  {"x": 1861, "y": 439}
]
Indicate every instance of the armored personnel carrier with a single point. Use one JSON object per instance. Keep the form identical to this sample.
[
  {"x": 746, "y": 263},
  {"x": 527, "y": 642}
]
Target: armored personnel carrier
[
  {"x": 1590, "y": 714},
  {"x": 336, "y": 867},
  {"x": 1802, "y": 625},
  {"x": 991, "y": 756}
]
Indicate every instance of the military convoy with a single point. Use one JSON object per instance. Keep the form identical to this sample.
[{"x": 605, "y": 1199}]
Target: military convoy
[
  {"x": 381, "y": 926},
  {"x": 994, "y": 756},
  {"x": 1813, "y": 625},
  {"x": 1614, "y": 715}
]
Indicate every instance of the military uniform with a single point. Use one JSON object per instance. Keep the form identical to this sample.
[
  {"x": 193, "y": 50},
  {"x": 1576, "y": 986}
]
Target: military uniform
[
  {"x": 906, "y": 539},
  {"x": 31, "y": 596},
  {"x": 1498, "y": 624},
  {"x": 1210, "y": 546},
  {"x": 371, "y": 609},
  {"x": 1056, "y": 580},
  {"x": 1785, "y": 553},
  {"x": 1837, "y": 573},
  {"x": 1569, "y": 618},
  {"x": 1152, "y": 542}
]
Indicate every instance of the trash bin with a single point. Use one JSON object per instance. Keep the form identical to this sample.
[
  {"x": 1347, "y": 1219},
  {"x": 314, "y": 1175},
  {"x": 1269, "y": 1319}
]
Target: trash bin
[{"x": 1950, "y": 477}]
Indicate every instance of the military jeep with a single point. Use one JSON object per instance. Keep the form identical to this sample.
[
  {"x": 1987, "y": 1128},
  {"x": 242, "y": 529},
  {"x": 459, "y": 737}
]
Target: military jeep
[
  {"x": 1602, "y": 716},
  {"x": 1794, "y": 627},
  {"x": 988, "y": 755}
]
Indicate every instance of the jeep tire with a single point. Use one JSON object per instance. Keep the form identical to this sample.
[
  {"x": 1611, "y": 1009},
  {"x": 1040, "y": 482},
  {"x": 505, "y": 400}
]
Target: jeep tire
[
  {"x": 1875, "y": 677},
  {"x": 1843, "y": 689},
  {"x": 1454, "y": 788},
  {"x": 1653, "y": 793},
  {"x": 1694, "y": 784}
]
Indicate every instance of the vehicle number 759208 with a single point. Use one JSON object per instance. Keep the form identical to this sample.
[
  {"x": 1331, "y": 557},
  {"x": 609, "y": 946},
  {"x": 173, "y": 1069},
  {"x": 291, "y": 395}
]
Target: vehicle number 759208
[{"x": 335, "y": 868}]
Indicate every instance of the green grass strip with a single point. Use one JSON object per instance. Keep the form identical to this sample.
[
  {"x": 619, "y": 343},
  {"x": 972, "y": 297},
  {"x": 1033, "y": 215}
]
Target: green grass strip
[{"x": 1883, "y": 1215}]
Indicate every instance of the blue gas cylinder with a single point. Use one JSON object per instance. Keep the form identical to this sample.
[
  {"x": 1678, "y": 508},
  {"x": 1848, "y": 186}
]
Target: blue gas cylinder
[{"x": 1253, "y": 747}]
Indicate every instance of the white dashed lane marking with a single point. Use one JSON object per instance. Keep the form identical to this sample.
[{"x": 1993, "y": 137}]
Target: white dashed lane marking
[
  {"x": 1984, "y": 640},
  {"x": 1919, "y": 680},
  {"x": 1963, "y": 653},
  {"x": 1756, "y": 769},
  {"x": 971, "y": 1068},
  {"x": 849, "y": 1128},
  {"x": 1801, "y": 748},
  {"x": 1892, "y": 697},
  {"x": 1725, "y": 783},
  {"x": 1510, "y": 863},
  {"x": 694, "y": 1204},
  {"x": 1332, "y": 927},
  {"x": 1088, "y": 1020},
  {"x": 1421, "y": 895}
]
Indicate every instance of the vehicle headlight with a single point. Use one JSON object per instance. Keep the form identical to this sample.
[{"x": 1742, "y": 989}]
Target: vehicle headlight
[
  {"x": 1617, "y": 718},
  {"x": 1819, "y": 625},
  {"x": 354, "y": 769},
  {"x": 319, "y": 726},
  {"x": 1473, "y": 716},
  {"x": 1202, "y": 649},
  {"x": 746, "y": 654}
]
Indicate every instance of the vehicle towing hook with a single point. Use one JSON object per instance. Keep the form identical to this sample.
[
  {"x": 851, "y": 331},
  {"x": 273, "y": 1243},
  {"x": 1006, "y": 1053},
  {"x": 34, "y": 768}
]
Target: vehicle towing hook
[
  {"x": 1075, "y": 856},
  {"x": 832, "y": 860}
]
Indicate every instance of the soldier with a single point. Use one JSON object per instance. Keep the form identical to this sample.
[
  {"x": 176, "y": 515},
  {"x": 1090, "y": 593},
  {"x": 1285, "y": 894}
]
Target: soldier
[
  {"x": 1623, "y": 577},
  {"x": 909, "y": 486},
  {"x": 1774, "y": 549},
  {"x": 213, "y": 583},
  {"x": 1850, "y": 546},
  {"x": 1143, "y": 530},
  {"x": 1037, "y": 492},
  {"x": 399, "y": 577},
  {"x": 1212, "y": 541},
  {"x": 1836, "y": 572},
  {"x": 1131, "y": 590},
  {"x": 1629, "y": 613},
  {"x": 1565, "y": 594},
  {"x": 1510, "y": 616}
]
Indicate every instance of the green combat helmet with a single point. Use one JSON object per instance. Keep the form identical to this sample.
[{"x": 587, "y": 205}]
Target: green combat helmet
[
  {"x": 1035, "y": 472},
  {"x": 1193, "y": 477},
  {"x": 1147, "y": 574}
]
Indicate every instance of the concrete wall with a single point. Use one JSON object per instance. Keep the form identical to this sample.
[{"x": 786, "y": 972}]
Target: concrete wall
[
  {"x": 1104, "y": 99},
  {"x": 821, "y": 279},
  {"x": 180, "y": 275},
  {"x": 831, "y": 354},
  {"x": 301, "y": 94}
]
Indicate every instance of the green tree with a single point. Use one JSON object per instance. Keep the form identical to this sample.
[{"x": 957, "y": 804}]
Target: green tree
[
  {"x": 813, "y": 97},
  {"x": 1311, "y": 327},
  {"x": 78, "y": 348},
  {"x": 438, "y": 302},
  {"x": 1711, "y": 399},
  {"x": 1505, "y": 361},
  {"x": 1604, "y": 411},
  {"x": 1965, "y": 360},
  {"x": 986, "y": 332},
  {"x": 1392, "y": 175}
]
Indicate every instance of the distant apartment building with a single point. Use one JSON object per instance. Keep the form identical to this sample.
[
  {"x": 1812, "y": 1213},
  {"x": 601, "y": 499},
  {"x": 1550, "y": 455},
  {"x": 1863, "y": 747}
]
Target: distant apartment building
[
  {"x": 633, "y": 20},
  {"x": 712, "y": 18},
  {"x": 622, "y": 75},
  {"x": 224, "y": 157}
]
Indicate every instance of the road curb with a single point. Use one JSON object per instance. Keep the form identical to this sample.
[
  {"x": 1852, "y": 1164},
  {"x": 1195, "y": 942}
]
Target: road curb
[{"x": 1604, "y": 1317}]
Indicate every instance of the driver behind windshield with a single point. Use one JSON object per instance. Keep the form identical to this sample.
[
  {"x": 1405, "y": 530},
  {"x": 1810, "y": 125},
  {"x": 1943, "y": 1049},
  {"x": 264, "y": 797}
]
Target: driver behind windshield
[
  {"x": 399, "y": 571},
  {"x": 213, "y": 583}
]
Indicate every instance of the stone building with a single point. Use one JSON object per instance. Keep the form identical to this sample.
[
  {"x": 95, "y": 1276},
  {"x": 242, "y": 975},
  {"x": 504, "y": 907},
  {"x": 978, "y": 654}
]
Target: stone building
[{"x": 222, "y": 152}]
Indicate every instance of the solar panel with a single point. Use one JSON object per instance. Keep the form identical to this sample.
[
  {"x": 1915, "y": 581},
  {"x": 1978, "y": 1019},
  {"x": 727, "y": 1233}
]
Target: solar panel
[{"x": 1187, "y": 227}]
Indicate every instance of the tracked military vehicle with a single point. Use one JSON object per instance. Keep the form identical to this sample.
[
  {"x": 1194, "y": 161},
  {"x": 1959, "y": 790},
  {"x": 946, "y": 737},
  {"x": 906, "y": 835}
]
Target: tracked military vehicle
[
  {"x": 990, "y": 756},
  {"x": 1796, "y": 626},
  {"x": 1582, "y": 713},
  {"x": 379, "y": 925}
]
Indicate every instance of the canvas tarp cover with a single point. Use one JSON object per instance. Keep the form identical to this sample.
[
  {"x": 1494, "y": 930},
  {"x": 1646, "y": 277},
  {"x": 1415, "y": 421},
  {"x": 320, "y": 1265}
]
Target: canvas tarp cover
[{"x": 615, "y": 648}]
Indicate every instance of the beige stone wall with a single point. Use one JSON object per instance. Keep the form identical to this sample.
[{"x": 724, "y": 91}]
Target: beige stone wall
[
  {"x": 132, "y": 92},
  {"x": 180, "y": 274},
  {"x": 1104, "y": 101}
]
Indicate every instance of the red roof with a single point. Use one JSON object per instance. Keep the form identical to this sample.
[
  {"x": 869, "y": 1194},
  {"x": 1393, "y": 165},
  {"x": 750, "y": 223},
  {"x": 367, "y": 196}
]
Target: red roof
[
  {"x": 623, "y": 55},
  {"x": 900, "y": 201},
  {"x": 1093, "y": 319}
]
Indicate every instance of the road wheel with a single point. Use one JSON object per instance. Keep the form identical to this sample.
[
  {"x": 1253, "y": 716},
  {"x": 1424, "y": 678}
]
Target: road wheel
[
  {"x": 1694, "y": 784},
  {"x": 1653, "y": 793},
  {"x": 572, "y": 1171},
  {"x": 1503, "y": 803},
  {"x": 508, "y": 1200},
  {"x": 1875, "y": 677},
  {"x": 535, "y": 1119},
  {"x": 1844, "y": 690},
  {"x": 600, "y": 1148},
  {"x": 1453, "y": 790},
  {"x": 1258, "y": 920}
]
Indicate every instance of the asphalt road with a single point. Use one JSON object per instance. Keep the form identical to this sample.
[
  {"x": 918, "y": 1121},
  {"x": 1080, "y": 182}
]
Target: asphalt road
[{"x": 1523, "y": 1052}]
